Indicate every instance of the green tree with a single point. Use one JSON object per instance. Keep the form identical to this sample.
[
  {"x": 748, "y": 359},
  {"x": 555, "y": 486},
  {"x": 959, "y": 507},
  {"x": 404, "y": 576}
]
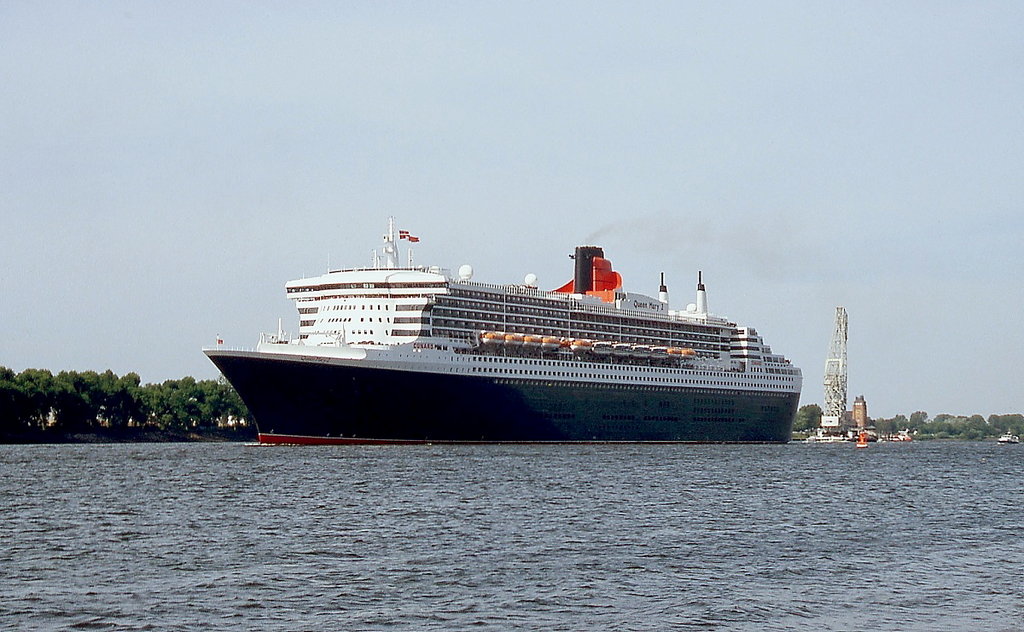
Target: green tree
[
  {"x": 1007, "y": 423},
  {"x": 75, "y": 400},
  {"x": 885, "y": 426},
  {"x": 14, "y": 405},
  {"x": 121, "y": 402},
  {"x": 37, "y": 387},
  {"x": 808, "y": 417}
]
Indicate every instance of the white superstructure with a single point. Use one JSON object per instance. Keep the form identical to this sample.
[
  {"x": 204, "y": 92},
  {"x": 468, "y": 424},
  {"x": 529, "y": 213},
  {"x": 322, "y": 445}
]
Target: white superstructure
[{"x": 428, "y": 319}]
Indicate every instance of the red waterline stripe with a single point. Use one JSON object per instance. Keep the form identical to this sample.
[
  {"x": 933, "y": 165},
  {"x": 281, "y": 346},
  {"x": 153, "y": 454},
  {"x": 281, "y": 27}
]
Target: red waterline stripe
[{"x": 281, "y": 439}]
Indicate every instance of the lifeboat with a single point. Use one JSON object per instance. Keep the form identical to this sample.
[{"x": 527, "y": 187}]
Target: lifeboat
[
  {"x": 565, "y": 343},
  {"x": 581, "y": 345},
  {"x": 532, "y": 341},
  {"x": 622, "y": 349},
  {"x": 641, "y": 351},
  {"x": 688, "y": 352},
  {"x": 659, "y": 352},
  {"x": 492, "y": 337},
  {"x": 550, "y": 343},
  {"x": 674, "y": 351},
  {"x": 602, "y": 348},
  {"x": 514, "y": 339}
]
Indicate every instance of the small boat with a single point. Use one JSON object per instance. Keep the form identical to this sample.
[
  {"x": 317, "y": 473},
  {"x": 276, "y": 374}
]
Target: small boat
[
  {"x": 821, "y": 437},
  {"x": 1009, "y": 438},
  {"x": 862, "y": 440}
]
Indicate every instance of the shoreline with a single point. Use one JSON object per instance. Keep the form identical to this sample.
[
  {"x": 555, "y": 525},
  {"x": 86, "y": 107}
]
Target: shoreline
[{"x": 131, "y": 435}]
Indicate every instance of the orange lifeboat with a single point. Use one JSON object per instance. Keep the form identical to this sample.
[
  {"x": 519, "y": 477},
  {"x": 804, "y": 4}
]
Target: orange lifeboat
[
  {"x": 532, "y": 341},
  {"x": 492, "y": 337},
  {"x": 550, "y": 343},
  {"x": 581, "y": 345},
  {"x": 514, "y": 339},
  {"x": 688, "y": 352}
]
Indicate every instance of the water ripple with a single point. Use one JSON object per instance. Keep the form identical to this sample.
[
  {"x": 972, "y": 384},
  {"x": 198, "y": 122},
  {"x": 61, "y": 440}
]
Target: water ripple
[{"x": 172, "y": 537}]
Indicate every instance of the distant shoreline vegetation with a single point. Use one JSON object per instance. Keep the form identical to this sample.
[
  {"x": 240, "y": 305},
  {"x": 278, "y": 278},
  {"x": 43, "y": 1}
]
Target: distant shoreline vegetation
[
  {"x": 921, "y": 427},
  {"x": 37, "y": 406}
]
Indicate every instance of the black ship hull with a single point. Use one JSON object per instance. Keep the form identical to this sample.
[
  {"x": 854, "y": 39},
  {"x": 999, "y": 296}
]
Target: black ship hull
[{"x": 298, "y": 401}]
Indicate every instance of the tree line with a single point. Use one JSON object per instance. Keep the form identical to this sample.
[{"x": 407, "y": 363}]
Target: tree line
[
  {"x": 37, "y": 403},
  {"x": 942, "y": 426}
]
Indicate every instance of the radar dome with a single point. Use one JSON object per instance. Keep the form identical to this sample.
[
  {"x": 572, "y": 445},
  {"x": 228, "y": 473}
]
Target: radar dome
[
  {"x": 692, "y": 307},
  {"x": 466, "y": 272},
  {"x": 530, "y": 280}
]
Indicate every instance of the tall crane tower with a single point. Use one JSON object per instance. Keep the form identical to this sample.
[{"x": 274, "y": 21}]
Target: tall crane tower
[{"x": 835, "y": 375}]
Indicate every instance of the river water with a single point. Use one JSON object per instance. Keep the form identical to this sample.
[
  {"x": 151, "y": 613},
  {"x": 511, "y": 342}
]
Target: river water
[{"x": 919, "y": 536}]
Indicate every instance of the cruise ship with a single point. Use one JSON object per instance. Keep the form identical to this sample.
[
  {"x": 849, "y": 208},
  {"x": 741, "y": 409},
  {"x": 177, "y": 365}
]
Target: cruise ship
[{"x": 396, "y": 354}]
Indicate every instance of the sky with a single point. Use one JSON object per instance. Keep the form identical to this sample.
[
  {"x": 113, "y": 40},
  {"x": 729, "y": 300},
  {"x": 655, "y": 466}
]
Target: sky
[{"x": 165, "y": 168}]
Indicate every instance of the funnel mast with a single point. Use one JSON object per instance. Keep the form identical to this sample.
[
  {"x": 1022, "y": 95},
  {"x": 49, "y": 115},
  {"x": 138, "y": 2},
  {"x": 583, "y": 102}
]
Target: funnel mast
[{"x": 702, "y": 295}]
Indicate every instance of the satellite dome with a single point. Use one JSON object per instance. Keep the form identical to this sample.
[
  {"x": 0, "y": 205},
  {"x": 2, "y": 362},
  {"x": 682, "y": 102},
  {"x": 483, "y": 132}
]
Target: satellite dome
[
  {"x": 530, "y": 280},
  {"x": 465, "y": 272},
  {"x": 692, "y": 307}
]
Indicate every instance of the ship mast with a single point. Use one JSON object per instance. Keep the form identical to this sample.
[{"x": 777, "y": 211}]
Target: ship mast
[{"x": 390, "y": 247}]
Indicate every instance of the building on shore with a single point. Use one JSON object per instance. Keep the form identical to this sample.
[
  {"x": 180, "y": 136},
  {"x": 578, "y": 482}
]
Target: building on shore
[{"x": 860, "y": 413}]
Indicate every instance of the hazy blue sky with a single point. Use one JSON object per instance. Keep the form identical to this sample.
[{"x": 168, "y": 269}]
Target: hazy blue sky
[{"x": 165, "y": 168}]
